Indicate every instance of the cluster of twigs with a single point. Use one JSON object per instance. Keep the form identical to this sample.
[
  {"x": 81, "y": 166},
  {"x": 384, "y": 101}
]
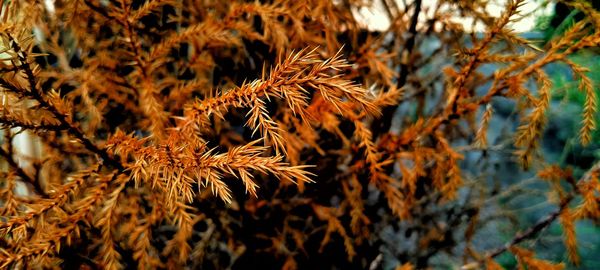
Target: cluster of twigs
[{"x": 137, "y": 113}]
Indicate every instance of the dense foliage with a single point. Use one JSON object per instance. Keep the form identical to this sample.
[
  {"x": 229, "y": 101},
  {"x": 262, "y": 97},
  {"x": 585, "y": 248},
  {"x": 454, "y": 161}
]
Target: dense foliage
[{"x": 282, "y": 134}]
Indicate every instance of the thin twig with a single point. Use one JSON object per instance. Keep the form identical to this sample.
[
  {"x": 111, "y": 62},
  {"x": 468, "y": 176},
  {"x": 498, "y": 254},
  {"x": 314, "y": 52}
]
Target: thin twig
[
  {"x": 545, "y": 222},
  {"x": 533, "y": 230},
  {"x": 72, "y": 129},
  {"x": 21, "y": 173},
  {"x": 383, "y": 124}
]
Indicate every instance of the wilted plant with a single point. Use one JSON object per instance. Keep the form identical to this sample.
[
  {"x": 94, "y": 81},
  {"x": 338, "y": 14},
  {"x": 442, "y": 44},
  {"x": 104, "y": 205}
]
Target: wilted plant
[{"x": 291, "y": 113}]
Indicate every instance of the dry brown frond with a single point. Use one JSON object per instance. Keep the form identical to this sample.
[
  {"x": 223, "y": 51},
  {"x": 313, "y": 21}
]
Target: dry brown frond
[{"x": 122, "y": 120}]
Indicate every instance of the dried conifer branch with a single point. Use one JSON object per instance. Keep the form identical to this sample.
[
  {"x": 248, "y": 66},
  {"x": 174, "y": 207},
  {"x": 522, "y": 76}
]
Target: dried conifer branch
[
  {"x": 206, "y": 33},
  {"x": 458, "y": 85},
  {"x": 175, "y": 169},
  {"x": 47, "y": 242},
  {"x": 127, "y": 133},
  {"x": 58, "y": 197},
  {"x": 481, "y": 136},
  {"x": 291, "y": 80},
  {"x": 147, "y": 8}
]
